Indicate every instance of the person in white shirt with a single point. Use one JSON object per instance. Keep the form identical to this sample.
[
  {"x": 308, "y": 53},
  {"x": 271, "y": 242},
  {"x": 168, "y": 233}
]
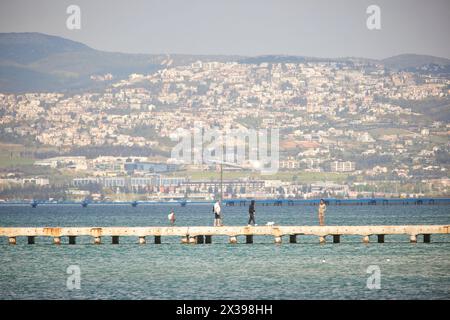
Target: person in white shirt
[
  {"x": 171, "y": 217},
  {"x": 217, "y": 215}
]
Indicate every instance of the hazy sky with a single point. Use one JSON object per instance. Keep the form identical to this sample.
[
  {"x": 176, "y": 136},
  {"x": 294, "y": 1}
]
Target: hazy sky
[{"x": 247, "y": 27}]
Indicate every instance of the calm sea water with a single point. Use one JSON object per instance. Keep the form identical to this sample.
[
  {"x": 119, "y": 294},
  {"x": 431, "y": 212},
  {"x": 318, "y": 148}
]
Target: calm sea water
[{"x": 263, "y": 270}]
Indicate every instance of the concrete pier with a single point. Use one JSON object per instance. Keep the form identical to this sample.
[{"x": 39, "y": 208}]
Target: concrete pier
[
  {"x": 200, "y": 239},
  {"x": 278, "y": 239},
  {"x": 115, "y": 239},
  {"x": 72, "y": 239},
  {"x": 365, "y": 239},
  {"x": 336, "y": 238},
  {"x": 192, "y": 240},
  {"x": 203, "y": 234}
]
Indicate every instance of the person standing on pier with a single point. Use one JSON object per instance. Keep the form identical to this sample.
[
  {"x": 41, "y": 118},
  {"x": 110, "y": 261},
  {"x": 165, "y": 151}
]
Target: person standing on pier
[
  {"x": 171, "y": 217},
  {"x": 322, "y": 209},
  {"x": 251, "y": 213},
  {"x": 217, "y": 216}
]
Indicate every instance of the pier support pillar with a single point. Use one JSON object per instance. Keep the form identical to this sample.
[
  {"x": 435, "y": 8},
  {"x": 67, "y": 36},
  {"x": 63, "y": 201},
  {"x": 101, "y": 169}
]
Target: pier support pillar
[
  {"x": 12, "y": 240},
  {"x": 249, "y": 238},
  {"x": 200, "y": 239},
  {"x": 97, "y": 240},
  {"x": 380, "y": 238},
  {"x": 193, "y": 240},
  {"x": 157, "y": 239},
  {"x": 322, "y": 240},
  {"x": 293, "y": 238},
  {"x": 57, "y": 240},
  {"x": 72, "y": 239},
  {"x": 30, "y": 239},
  {"x": 278, "y": 239},
  {"x": 365, "y": 239},
  {"x": 208, "y": 239},
  {"x": 427, "y": 238},
  {"x": 115, "y": 239},
  {"x": 336, "y": 238},
  {"x": 233, "y": 239},
  {"x": 185, "y": 239},
  {"x": 142, "y": 240},
  {"x": 413, "y": 238}
]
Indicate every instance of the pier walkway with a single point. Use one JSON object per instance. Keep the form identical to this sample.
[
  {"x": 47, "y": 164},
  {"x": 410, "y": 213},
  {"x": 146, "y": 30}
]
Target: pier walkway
[{"x": 204, "y": 234}]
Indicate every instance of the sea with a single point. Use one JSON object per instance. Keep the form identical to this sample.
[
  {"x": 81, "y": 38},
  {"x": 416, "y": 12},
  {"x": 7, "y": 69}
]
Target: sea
[{"x": 395, "y": 269}]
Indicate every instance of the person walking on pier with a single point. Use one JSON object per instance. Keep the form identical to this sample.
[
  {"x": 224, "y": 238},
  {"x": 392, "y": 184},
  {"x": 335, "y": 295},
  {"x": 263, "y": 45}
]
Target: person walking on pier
[
  {"x": 171, "y": 217},
  {"x": 322, "y": 209},
  {"x": 217, "y": 215},
  {"x": 251, "y": 213}
]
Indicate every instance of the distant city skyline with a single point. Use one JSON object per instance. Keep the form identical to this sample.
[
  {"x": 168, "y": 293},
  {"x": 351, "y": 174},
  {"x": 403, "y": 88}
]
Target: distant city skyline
[{"x": 249, "y": 28}]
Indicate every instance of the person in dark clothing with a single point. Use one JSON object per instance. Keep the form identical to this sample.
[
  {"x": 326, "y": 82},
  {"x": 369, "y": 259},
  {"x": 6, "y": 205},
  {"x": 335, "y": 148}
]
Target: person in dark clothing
[{"x": 251, "y": 213}]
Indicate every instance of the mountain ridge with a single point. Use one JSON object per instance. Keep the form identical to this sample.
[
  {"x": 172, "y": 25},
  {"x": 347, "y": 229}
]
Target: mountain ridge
[{"x": 33, "y": 61}]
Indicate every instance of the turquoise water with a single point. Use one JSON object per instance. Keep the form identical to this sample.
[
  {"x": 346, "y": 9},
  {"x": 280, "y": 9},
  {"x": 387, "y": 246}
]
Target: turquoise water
[{"x": 263, "y": 270}]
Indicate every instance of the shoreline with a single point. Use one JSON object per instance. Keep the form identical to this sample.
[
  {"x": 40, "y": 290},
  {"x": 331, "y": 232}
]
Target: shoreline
[{"x": 245, "y": 202}]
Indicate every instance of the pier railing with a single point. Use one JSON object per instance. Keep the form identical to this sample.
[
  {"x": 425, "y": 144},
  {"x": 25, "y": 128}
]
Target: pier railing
[{"x": 204, "y": 234}]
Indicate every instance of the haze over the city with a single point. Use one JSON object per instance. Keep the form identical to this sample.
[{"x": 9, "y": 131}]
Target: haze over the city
[
  {"x": 308, "y": 28},
  {"x": 83, "y": 116}
]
